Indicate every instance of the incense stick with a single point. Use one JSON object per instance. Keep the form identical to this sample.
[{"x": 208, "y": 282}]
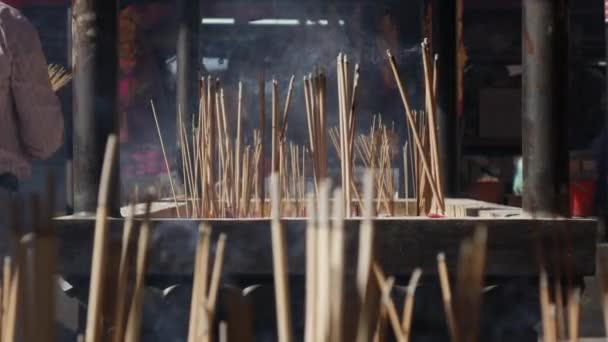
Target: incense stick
[
  {"x": 133, "y": 328},
  {"x": 279, "y": 257},
  {"x": 386, "y": 287},
  {"x": 548, "y": 334},
  {"x": 311, "y": 271},
  {"x": 260, "y": 165},
  {"x": 98, "y": 267},
  {"x": 323, "y": 264},
  {"x": 446, "y": 295},
  {"x": 408, "y": 306},
  {"x": 286, "y": 109},
  {"x": 574, "y": 307},
  {"x": 237, "y": 148},
  {"x": 217, "y": 272},
  {"x": 337, "y": 268},
  {"x": 162, "y": 146},
  {"x": 199, "y": 279},
  {"x": 364, "y": 263},
  {"x": 121, "y": 287}
]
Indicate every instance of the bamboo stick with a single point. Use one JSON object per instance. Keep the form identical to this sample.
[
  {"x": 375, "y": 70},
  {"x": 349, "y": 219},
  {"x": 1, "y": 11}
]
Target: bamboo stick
[
  {"x": 260, "y": 164},
  {"x": 446, "y": 295},
  {"x": 162, "y": 146},
  {"x": 364, "y": 263},
  {"x": 574, "y": 307},
  {"x": 200, "y": 279},
  {"x": 408, "y": 306},
  {"x": 342, "y": 98},
  {"x": 98, "y": 268},
  {"x": 386, "y": 287},
  {"x": 322, "y": 107},
  {"x": 552, "y": 323},
  {"x": 133, "y": 328},
  {"x": 10, "y": 328},
  {"x": 121, "y": 287},
  {"x": 545, "y": 307},
  {"x": 311, "y": 271},
  {"x": 237, "y": 148},
  {"x": 216, "y": 273},
  {"x": 337, "y": 268},
  {"x": 323, "y": 264},
  {"x": 192, "y": 178},
  {"x": 380, "y": 333},
  {"x": 286, "y": 109},
  {"x": 182, "y": 149},
  {"x": 352, "y": 122},
  {"x": 279, "y": 257},
  {"x": 275, "y": 129}
]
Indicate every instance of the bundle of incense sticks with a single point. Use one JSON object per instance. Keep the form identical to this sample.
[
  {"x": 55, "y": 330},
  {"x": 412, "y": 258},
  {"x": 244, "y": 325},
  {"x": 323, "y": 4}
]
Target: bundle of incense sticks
[
  {"x": 376, "y": 152},
  {"x": 221, "y": 175},
  {"x": 423, "y": 133},
  {"x": 558, "y": 325},
  {"x": 316, "y": 117},
  {"x": 125, "y": 307},
  {"x": 205, "y": 291},
  {"x": 223, "y": 171},
  {"x": 347, "y": 100},
  {"x": 28, "y": 281},
  {"x": 58, "y": 76}
]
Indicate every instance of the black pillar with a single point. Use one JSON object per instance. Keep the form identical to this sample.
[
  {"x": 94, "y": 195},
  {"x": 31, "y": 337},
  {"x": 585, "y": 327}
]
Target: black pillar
[
  {"x": 95, "y": 61},
  {"x": 444, "y": 43},
  {"x": 188, "y": 58},
  {"x": 544, "y": 133}
]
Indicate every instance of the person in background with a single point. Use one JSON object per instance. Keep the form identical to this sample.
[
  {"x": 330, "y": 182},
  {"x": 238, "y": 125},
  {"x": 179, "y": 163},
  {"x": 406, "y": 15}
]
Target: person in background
[{"x": 31, "y": 122}]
